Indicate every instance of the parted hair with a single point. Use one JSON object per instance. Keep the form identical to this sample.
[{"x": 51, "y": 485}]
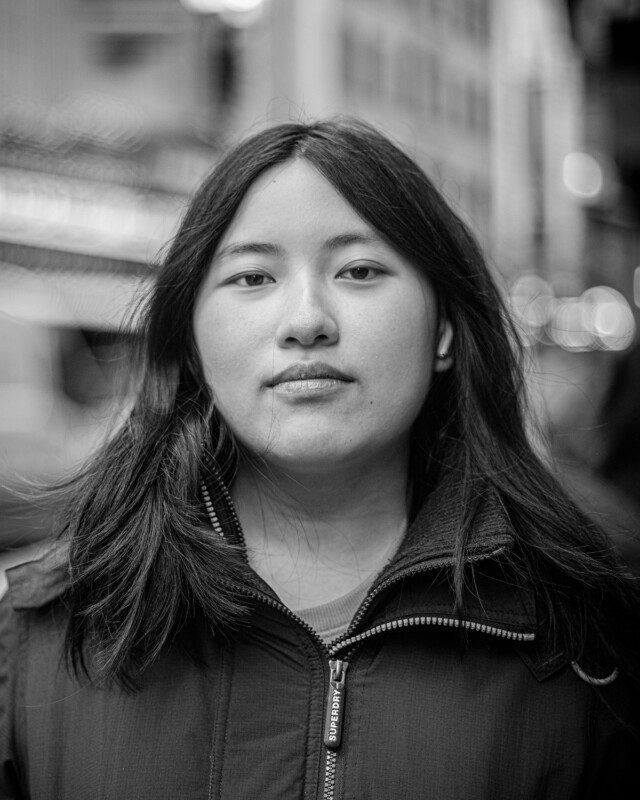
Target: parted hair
[{"x": 143, "y": 559}]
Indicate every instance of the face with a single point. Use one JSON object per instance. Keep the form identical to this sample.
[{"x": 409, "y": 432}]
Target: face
[{"x": 317, "y": 338}]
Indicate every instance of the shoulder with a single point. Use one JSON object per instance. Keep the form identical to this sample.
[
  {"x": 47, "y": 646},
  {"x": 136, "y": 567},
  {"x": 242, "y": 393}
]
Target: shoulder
[
  {"x": 32, "y": 627},
  {"x": 36, "y": 583},
  {"x": 32, "y": 589},
  {"x": 26, "y": 629}
]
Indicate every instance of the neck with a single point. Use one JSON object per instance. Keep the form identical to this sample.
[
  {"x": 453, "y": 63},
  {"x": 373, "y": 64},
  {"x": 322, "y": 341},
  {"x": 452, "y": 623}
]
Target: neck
[{"x": 314, "y": 538}]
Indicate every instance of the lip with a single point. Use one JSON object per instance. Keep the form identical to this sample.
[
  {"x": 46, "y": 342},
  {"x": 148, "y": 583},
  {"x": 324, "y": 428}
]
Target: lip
[{"x": 309, "y": 371}]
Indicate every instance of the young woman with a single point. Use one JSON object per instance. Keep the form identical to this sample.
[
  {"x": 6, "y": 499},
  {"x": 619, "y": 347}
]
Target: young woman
[{"x": 321, "y": 559}]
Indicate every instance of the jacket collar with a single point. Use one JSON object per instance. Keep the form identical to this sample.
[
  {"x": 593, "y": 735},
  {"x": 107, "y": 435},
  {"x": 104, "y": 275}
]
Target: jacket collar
[
  {"x": 433, "y": 535},
  {"x": 420, "y": 570},
  {"x": 418, "y": 581}
]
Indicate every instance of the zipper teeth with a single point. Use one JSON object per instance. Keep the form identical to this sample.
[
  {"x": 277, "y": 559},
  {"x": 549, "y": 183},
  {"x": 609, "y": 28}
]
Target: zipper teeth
[
  {"x": 329, "y": 775},
  {"x": 211, "y": 513},
  {"x": 232, "y": 511},
  {"x": 446, "y": 622},
  {"x": 222, "y": 487}
]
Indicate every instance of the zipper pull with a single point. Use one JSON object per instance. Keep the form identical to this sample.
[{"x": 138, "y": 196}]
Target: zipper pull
[{"x": 335, "y": 704}]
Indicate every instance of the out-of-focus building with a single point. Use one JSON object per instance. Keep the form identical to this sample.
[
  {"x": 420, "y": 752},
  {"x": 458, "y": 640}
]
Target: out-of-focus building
[
  {"x": 116, "y": 108},
  {"x": 538, "y": 226},
  {"x": 485, "y": 93},
  {"x": 607, "y": 181},
  {"x": 99, "y": 147}
]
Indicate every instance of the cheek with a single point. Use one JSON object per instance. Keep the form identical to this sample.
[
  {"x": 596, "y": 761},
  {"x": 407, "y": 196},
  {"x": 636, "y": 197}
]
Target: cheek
[
  {"x": 402, "y": 356},
  {"x": 223, "y": 342},
  {"x": 405, "y": 340}
]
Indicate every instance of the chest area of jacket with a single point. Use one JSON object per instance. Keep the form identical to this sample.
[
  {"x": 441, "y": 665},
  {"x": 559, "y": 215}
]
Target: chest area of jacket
[{"x": 250, "y": 722}]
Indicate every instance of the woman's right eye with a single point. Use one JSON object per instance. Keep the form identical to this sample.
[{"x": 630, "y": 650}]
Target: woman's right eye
[{"x": 251, "y": 279}]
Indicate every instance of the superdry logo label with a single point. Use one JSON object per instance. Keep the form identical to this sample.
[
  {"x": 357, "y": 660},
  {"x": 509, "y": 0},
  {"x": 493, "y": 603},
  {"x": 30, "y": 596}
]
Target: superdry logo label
[
  {"x": 333, "y": 721},
  {"x": 336, "y": 708}
]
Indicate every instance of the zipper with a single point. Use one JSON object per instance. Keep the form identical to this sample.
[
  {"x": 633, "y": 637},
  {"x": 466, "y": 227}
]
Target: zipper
[
  {"x": 447, "y": 622},
  {"x": 212, "y": 513},
  {"x": 333, "y": 723},
  {"x": 329, "y": 775},
  {"x": 210, "y": 509},
  {"x": 335, "y": 700}
]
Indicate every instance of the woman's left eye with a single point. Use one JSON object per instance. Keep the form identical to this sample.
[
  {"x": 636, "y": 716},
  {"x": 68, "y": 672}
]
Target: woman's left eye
[{"x": 360, "y": 272}]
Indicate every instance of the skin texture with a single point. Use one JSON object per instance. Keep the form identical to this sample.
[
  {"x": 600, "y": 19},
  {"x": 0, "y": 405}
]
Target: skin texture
[
  {"x": 357, "y": 307},
  {"x": 299, "y": 282}
]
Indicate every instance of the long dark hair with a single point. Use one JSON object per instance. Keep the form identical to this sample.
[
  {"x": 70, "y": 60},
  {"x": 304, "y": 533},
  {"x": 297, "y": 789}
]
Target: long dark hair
[{"x": 142, "y": 557}]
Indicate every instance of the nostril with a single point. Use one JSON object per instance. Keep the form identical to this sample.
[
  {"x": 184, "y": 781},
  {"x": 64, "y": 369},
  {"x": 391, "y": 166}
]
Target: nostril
[{"x": 318, "y": 338}]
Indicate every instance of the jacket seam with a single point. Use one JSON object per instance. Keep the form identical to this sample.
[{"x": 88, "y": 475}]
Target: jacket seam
[
  {"x": 591, "y": 729},
  {"x": 220, "y": 725},
  {"x": 20, "y": 703}
]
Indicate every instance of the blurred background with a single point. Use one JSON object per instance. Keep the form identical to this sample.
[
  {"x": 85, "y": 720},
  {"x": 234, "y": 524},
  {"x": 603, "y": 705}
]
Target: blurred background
[{"x": 526, "y": 113}]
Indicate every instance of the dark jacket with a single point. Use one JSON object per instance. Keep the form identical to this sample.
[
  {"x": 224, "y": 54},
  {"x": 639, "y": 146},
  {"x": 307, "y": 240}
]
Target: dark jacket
[{"x": 423, "y": 704}]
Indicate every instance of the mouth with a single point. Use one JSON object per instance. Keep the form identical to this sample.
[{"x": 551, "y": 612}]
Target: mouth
[{"x": 314, "y": 371}]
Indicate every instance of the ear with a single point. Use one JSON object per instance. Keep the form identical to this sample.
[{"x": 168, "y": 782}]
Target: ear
[{"x": 444, "y": 359}]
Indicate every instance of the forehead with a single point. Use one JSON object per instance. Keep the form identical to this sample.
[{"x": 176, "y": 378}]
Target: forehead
[{"x": 292, "y": 200}]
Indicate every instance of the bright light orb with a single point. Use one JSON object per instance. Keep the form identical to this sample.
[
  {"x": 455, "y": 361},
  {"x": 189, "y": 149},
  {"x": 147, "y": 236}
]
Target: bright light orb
[
  {"x": 612, "y": 320},
  {"x": 567, "y": 327},
  {"x": 582, "y": 176}
]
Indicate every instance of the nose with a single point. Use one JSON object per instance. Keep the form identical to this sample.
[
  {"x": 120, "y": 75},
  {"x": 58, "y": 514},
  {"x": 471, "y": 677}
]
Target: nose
[{"x": 306, "y": 316}]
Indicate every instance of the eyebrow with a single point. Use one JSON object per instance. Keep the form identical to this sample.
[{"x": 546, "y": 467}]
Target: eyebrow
[
  {"x": 270, "y": 249},
  {"x": 355, "y": 237},
  {"x": 249, "y": 248}
]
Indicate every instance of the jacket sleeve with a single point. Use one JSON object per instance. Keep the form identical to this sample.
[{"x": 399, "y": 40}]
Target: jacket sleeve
[{"x": 10, "y": 646}]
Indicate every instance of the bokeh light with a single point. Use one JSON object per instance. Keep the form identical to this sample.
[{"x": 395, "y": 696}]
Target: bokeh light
[
  {"x": 222, "y": 6},
  {"x": 598, "y": 319},
  {"x": 582, "y": 175}
]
